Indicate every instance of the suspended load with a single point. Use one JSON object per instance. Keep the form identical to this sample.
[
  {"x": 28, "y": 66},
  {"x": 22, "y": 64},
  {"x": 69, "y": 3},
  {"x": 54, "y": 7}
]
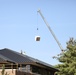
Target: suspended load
[{"x": 37, "y": 38}]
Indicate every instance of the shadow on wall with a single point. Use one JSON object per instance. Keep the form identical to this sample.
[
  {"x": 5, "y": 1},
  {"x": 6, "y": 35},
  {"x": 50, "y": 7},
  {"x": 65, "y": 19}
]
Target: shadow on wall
[{"x": 24, "y": 73}]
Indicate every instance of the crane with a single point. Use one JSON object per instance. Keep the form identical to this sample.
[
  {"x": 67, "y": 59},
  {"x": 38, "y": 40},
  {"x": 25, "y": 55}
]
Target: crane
[{"x": 59, "y": 44}]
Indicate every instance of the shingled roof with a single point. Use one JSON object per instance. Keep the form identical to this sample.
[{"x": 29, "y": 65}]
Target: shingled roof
[{"x": 16, "y": 57}]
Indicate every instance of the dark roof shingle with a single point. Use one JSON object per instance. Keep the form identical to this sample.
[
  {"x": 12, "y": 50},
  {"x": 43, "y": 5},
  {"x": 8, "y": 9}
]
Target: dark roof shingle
[{"x": 13, "y": 56}]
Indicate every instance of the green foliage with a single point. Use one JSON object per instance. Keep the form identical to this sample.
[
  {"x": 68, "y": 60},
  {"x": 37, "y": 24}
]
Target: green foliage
[
  {"x": 3, "y": 71},
  {"x": 68, "y": 59}
]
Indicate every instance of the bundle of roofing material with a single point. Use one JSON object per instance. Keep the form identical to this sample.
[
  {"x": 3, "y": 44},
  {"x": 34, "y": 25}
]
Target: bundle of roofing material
[{"x": 37, "y": 38}]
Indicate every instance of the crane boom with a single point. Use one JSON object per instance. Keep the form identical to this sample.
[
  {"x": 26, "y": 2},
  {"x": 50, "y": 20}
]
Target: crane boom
[{"x": 50, "y": 30}]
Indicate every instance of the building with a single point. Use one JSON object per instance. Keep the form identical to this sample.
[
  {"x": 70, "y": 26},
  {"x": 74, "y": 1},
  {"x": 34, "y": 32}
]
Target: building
[{"x": 20, "y": 64}]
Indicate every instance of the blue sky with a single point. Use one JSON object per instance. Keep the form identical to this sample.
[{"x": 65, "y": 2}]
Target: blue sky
[{"x": 19, "y": 21}]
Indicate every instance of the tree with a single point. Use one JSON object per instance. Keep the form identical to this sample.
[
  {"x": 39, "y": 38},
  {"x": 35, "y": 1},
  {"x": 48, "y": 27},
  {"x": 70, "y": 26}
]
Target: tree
[
  {"x": 3, "y": 71},
  {"x": 67, "y": 59}
]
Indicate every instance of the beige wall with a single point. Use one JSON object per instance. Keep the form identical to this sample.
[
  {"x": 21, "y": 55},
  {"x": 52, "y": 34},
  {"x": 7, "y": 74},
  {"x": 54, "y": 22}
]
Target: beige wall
[
  {"x": 9, "y": 71},
  {"x": 16, "y": 72}
]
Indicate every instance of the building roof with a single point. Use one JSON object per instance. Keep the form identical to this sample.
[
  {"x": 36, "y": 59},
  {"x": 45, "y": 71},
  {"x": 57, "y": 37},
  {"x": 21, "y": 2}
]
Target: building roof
[{"x": 16, "y": 57}]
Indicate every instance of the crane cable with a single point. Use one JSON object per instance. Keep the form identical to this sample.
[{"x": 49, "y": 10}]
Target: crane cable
[{"x": 37, "y": 22}]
